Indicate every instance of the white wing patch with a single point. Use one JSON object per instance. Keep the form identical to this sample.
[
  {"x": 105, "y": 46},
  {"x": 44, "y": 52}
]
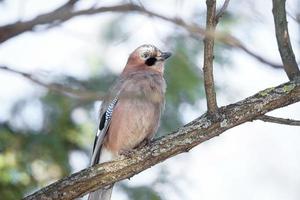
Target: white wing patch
[
  {"x": 98, "y": 132},
  {"x": 106, "y": 156}
]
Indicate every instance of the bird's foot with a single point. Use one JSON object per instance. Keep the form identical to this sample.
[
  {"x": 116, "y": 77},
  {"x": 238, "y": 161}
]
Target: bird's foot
[
  {"x": 143, "y": 143},
  {"x": 126, "y": 152}
]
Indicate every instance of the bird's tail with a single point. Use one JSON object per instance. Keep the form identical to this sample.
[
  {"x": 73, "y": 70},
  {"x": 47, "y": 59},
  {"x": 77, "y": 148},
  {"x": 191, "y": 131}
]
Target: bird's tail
[{"x": 101, "y": 194}]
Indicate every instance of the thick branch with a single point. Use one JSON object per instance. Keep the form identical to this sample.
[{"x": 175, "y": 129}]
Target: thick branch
[
  {"x": 180, "y": 141},
  {"x": 58, "y": 88},
  {"x": 278, "y": 120},
  {"x": 209, "y": 58},
  {"x": 283, "y": 39}
]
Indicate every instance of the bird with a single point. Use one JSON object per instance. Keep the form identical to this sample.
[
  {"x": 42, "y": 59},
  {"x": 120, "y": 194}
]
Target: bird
[{"x": 131, "y": 110}]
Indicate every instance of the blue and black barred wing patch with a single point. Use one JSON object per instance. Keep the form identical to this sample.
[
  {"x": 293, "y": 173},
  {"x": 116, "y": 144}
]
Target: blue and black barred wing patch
[
  {"x": 103, "y": 127},
  {"x": 106, "y": 117}
]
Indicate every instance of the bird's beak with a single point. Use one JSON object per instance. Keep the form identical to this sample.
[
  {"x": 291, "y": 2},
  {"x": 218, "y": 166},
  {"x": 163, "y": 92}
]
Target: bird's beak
[{"x": 164, "y": 55}]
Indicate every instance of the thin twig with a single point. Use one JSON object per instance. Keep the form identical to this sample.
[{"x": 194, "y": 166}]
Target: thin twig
[
  {"x": 58, "y": 88},
  {"x": 296, "y": 19},
  {"x": 72, "y": 2},
  {"x": 222, "y": 10},
  {"x": 278, "y": 120},
  {"x": 209, "y": 86},
  {"x": 283, "y": 40},
  {"x": 260, "y": 58}
]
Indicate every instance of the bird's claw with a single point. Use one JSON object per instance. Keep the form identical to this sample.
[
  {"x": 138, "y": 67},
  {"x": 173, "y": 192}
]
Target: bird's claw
[
  {"x": 126, "y": 152},
  {"x": 143, "y": 143}
]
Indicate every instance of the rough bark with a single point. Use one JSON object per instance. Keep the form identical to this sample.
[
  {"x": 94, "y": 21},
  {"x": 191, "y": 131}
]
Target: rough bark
[{"x": 180, "y": 141}]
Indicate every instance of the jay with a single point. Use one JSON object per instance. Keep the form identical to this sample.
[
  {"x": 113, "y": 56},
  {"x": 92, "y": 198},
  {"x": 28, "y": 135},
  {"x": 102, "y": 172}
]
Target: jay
[{"x": 131, "y": 110}]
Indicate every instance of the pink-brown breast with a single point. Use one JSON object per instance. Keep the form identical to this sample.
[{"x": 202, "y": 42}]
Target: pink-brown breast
[{"x": 137, "y": 114}]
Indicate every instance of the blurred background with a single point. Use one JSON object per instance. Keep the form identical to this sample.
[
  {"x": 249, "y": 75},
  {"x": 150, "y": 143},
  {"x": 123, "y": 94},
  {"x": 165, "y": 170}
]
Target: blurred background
[{"x": 46, "y": 135}]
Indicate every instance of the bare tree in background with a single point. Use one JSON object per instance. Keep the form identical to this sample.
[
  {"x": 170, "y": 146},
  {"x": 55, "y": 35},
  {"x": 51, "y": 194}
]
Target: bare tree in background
[{"x": 209, "y": 125}]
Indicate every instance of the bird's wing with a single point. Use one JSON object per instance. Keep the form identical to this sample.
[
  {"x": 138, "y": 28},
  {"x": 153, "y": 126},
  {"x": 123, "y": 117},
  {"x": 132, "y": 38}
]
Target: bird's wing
[{"x": 106, "y": 111}]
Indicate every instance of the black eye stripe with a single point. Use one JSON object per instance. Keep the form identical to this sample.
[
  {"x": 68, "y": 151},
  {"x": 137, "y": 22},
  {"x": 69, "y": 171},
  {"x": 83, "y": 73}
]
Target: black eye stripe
[{"x": 150, "y": 61}]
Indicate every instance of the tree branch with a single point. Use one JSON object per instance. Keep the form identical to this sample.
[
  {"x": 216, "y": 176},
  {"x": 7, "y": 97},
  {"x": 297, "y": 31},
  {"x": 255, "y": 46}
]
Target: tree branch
[
  {"x": 283, "y": 39},
  {"x": 279, "y": 120},
  {"x": 209, "y": 86},
  {"x": 260, "y": 58},
  {"x": 60, "y": 15},
  {"x": 222, "y": 10},
  {"x": 58, "y": 88},
  {"x": 180, "y": 141}
]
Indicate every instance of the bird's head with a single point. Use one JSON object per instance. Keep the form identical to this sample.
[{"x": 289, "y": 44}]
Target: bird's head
[{"x": 146, "y": 57}]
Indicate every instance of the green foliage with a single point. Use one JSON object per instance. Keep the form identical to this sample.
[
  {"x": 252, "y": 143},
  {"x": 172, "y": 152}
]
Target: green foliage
[
  {"x": 183, "y": 77},
  {"x": 141, "y": 192},
  {"x": 32, "y": 158},
  {"x": 147, "y": 192}
]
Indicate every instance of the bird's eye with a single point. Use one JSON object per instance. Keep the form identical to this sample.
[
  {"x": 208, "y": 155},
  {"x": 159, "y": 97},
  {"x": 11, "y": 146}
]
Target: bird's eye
[{"x": 145, "y": 55}]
